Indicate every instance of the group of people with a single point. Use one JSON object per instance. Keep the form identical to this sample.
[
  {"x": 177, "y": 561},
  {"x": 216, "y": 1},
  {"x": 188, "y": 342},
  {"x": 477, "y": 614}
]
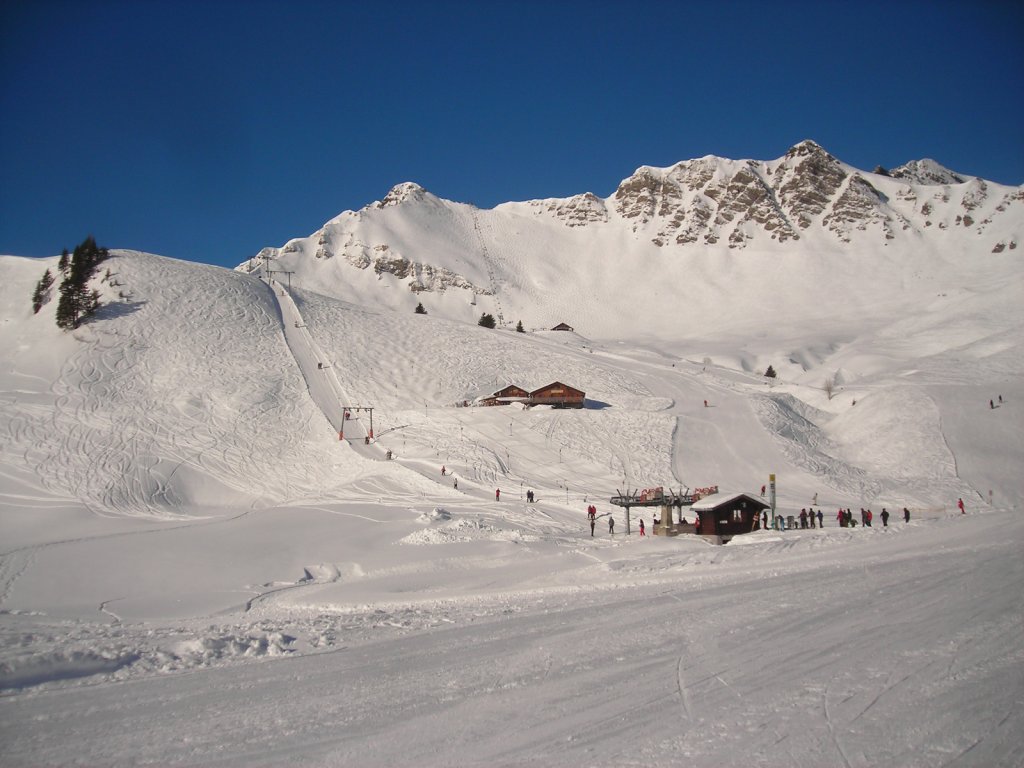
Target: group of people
[
  {"x": 845, "y": 517},
  {"x": 807, "y": 518}
]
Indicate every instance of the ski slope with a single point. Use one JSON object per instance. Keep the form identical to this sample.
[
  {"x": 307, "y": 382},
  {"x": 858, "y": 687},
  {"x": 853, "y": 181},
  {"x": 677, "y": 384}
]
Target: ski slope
[{"x": 194, "y": 569}]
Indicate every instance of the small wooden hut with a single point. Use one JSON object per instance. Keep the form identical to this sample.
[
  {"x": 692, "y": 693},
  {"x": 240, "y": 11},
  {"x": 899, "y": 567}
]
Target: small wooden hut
[
  {"x": 724, "y": 515},
  {"x": 508, "y": 394}
]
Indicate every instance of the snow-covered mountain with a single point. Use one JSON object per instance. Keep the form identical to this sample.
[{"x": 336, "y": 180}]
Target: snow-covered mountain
[
  {"x": 783, "y": 238},
  {"x": 180, "y": 490}
]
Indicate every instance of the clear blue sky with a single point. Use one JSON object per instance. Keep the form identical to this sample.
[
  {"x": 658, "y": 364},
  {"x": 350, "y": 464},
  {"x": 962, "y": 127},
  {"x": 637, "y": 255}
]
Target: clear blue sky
[{"x": 205, "y": 130}]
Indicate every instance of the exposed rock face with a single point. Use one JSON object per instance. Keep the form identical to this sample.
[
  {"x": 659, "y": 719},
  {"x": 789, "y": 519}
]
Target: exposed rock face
[
  {"x": 576, "y": 211},
  {"x": 400, "y": 193},
  {"x": 714, "y": 200},
  {"x": 926, "y": 172},
  {"x": 807, "y": 181}
]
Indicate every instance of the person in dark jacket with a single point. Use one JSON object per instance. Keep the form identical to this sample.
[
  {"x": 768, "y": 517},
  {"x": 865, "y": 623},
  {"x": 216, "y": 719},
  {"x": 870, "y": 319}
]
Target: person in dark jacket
[
  {"x": 885, "y": 517},
  {"x": 906, "y": 515},
  {"x": 821, "y": 519}
]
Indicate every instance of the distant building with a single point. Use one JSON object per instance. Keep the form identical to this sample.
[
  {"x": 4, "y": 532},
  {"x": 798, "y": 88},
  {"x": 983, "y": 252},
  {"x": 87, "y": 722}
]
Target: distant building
[
  {"x": 562, "y": 327},
  {"x": 555, "y": 394},
  {"x": 559, "y": 395},
  {"x": 506, "y": 395}
]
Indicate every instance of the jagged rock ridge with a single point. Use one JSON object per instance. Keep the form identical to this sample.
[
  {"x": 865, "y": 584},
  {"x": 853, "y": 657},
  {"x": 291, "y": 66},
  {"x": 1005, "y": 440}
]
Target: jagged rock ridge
[{"x": 708, "y": 202}]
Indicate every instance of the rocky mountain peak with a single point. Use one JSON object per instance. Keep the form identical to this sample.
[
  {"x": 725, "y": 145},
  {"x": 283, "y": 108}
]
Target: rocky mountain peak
[
  {"x": 928, "y": 172},
  {"x": 400, "y": 193},
  {"x": 807, "y": 148}
]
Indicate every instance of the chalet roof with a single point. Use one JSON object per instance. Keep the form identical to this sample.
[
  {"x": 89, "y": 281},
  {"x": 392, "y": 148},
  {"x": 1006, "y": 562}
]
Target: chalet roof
[
  {"x": 557, "y": 384},
  {"x": 716, "y": 500}
]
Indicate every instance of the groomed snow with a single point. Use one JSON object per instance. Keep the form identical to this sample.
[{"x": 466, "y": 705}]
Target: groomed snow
[{"x": 194, "y": 569}]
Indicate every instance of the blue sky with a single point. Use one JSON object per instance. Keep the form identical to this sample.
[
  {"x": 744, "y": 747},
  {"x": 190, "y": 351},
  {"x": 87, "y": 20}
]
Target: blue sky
[{"x": 206, "y": 130}]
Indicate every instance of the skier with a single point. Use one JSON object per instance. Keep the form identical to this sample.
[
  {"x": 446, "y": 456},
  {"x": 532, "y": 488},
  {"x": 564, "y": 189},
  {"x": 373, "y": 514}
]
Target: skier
[
  {"x": 705, "y": 403},
  {"x": 642, "y": 527},
  {"x": 762, "y": 491},
  {"x": 960, "y": 503},
  {"x": 868, "y": 518},
  {"x": 443, "y": 470},
  {"x": 497, "y": 494},
  {"x": 810, "y": 516},
  {"x": 529, "y": 497},
  {"x": 906, "y": 515},
  {"x": 885, "y": 517},
  {"x": 764, "y": 521},
  {"x": 803, "y": 518},
  {"x": 611, "y": 525},
  {"x": 841, "y": 518},
  {"x": 991, "y": 404},
  {"x": 821, "y": 519}
]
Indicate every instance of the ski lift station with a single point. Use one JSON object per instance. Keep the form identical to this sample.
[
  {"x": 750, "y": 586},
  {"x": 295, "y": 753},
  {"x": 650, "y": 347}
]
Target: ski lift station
[{"x": 721, "y": 516}]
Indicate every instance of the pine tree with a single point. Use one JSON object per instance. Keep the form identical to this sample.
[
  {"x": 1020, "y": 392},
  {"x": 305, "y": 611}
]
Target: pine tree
[
  {"x": 420, "y": 310},
  {"x": 770, "y": 373},
  {"x": 65, "y": 260},
  {"x": 519, "y": 327},
  {"x": 486, "y": 320},
  {"x": 76, "y": 300},
  {"x": 41, "y": 294}
]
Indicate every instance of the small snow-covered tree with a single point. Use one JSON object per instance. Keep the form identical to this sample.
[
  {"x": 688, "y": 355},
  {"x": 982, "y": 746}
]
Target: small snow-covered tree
[
  {"x": 519, "y": 327},
  {"x": 770, "y": 373},
  {"x": 486, "y": 320},
  {"x": 41, "y": 294},
  {"x": 420, "y": 310},
  {"x": 830, "y": 386}
]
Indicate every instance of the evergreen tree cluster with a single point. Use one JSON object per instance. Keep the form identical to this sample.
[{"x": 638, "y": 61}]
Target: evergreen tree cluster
[
  {"x": 77, "y": 301},
  {"x": 487, "y": 320},
  {"x": 770, "y": 373}
]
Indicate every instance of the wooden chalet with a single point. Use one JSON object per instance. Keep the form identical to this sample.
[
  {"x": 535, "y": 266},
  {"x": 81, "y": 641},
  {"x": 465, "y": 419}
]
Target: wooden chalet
[
  {"x": 559, "y": 395},
  {"x": 724, "y": 515},
  {"x": 562, "y": 327},
  {"x": 510, "y": 394}
]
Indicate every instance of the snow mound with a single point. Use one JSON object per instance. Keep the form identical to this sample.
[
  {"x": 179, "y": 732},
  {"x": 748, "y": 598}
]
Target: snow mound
[
  {"x": 437, "y": 514},
  {"x": 465, "y": 530},
  {"x": 59, "y": 665},
  {"x": 203, "y": 651}
]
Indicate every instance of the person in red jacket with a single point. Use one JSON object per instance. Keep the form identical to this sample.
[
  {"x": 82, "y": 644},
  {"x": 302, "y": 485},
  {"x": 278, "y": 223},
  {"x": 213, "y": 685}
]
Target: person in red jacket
[
  {"x": 642, "y": 527},
  {"x": 960, "y": 503}
]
